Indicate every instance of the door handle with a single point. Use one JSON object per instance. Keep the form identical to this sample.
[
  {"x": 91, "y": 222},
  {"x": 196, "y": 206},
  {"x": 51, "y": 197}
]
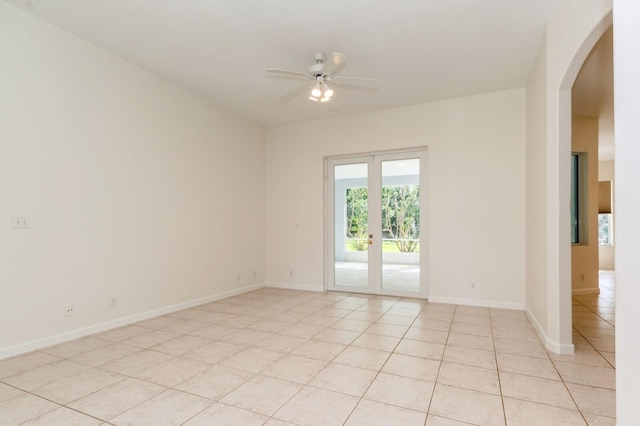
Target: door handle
[{"x": 370, "y": 239}]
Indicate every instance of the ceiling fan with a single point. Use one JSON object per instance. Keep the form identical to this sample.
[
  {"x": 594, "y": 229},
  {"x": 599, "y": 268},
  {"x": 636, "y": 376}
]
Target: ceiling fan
[{"x": 323, "y": 77}]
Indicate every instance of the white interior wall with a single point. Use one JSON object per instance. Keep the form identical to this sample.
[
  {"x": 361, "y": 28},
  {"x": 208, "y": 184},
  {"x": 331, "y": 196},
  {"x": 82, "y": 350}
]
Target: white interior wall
[
  {"x": 134, "y": 187},
  {"x": 569, "y": 38},
  {"x": 536, "y": 193},
  {"x": 607, "y": 255},
  {"x": 476, "y": 198},
  {"x": 626, "y": 65}
]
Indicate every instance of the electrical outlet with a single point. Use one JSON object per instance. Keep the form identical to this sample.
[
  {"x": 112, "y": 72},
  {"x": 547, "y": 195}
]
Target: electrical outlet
[
  {"x": 69, "y": 311},
  {"x": 255, "y": 274},
  {"x": 113, "y": 302},
  {"x": 291, "y": 273},
  {"x": 473, "y": 285},
  {"x": 20, "y": 222}
]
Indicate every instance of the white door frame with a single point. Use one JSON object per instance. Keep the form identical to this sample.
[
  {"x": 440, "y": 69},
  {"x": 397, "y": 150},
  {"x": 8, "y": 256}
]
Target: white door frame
[{"x": 374, "y": 256}]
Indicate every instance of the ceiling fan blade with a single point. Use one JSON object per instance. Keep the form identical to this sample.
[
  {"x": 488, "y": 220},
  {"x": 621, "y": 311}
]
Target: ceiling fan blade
[
  {"x": 288, "y": 77},
  {"x": 287, "y": 72},
  {"x": 289, "y": 96},
  {"x": 333, "y": 63},
  {"x": 340, "y": 78},
  {"x": 360, "y": 84},
  {"x": 368, "y": 88}
]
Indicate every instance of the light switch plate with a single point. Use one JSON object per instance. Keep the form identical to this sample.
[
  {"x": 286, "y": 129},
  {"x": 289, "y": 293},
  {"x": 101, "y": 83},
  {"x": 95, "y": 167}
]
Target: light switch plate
[{"x": 20, "y": 222}]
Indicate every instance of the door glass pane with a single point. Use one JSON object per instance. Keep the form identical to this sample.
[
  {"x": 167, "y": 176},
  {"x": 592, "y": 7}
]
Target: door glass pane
[
  {"x": 351, "y": 218},
  {"x": 401, "y": 225}
]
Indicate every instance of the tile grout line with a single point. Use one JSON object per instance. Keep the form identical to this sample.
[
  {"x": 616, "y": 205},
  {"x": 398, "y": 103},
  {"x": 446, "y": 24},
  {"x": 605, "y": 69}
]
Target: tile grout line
[
  {"x": 435, "y": 384},
  {"x": 387, "y": 360},
  {"x": 586, "y": 338},
  {"x": 328, "y": 363},
  {"x": 568, "y": 391},
  {"x": 495, "y": 355},
  {"x": 361, "y": 397}
]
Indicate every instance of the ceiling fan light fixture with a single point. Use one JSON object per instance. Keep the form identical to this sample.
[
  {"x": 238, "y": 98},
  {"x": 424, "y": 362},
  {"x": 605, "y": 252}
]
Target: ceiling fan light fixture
[
  {"x": 328, "y": 91},
  {"x": 317, "y": 90},
  {"x": 325, "y": 99},
  {"x": 313, "y": 98}
]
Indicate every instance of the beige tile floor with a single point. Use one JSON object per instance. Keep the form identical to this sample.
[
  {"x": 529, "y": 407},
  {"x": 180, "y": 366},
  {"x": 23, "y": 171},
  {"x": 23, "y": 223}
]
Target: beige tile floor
[{"x": 281, "y": 357}]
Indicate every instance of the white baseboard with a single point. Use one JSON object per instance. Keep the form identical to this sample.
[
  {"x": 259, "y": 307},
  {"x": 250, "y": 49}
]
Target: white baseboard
[
  {"x": 582, "y": 291},
  {"x": 476, "y": 302},
  {"x": 109, "y": 325},
  {"x": 287, "y": 286},
  {"x": 552, "y": 345},
  {"x": 560, "y": 349}
]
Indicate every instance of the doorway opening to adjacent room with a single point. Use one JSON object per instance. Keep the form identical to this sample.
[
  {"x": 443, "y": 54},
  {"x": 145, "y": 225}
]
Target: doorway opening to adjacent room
[{"x": 376, "y": 223}]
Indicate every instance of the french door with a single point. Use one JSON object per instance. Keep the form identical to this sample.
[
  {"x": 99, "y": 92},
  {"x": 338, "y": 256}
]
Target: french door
[{"x": 376, "y": 224}]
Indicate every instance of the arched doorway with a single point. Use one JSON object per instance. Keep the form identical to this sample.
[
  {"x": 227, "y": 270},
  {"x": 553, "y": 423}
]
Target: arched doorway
[{"x": 564, "y": 177}]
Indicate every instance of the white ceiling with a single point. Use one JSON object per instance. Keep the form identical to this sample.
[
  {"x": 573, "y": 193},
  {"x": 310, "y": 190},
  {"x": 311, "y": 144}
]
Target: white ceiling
[
  {"x": 418, "y": 50},
  {"x": 592, "y": 91}
]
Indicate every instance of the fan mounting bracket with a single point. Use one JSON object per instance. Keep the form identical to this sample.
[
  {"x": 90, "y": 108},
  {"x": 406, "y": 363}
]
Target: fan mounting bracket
[
  {"x": 316, "y": 69},
  {"x": 320, "y": 58}
]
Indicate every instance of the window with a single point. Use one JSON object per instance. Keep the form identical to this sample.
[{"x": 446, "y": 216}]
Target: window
[
  {"x": 575, "y": 234},
  {"x": 578, "y": 198},
  {"x": 605, "y": 218},
  {"x": 605, "y": 230}
]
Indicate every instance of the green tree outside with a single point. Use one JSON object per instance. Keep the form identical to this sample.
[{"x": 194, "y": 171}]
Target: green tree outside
[
  {"x": 357, "y": 217},
  {"x": 400, "y": 217}
]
